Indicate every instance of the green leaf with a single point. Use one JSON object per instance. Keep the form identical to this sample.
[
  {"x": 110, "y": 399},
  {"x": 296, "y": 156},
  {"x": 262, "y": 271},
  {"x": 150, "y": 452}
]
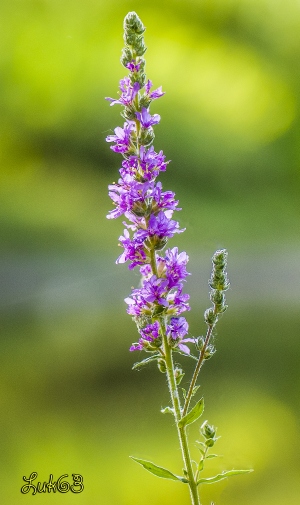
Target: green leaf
[
  {"x": 167, "y": 410},
  {"x": 145, "y": 361},
  {"x": 175, "y": 349},
  {"x": 200, "y": 465},
  {"x": 210, "y": 456},
  {"x": 192, "y": 415},
  {"x": 195, "y": 389},
  {"x": 221, "y": 476},
  {"x": 158, "y": 470}
]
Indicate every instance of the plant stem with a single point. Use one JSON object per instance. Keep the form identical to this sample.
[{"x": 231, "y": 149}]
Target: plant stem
[
  {"x": 197, "y": 370},
  {"x": 182, "y": 435},
  {"x": 153, "y": 262}
]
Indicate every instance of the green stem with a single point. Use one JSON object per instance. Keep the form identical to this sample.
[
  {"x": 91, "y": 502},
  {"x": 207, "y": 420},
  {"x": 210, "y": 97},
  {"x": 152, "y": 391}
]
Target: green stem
[
  {"x": 153, "y": 262},
  {"x": 182, "y": 435},
  {"x": 197, "y": 370}
]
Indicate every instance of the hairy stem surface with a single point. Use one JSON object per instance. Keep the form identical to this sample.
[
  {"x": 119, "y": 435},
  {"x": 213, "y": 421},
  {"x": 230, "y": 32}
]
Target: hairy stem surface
[{"x": 182, "y": 435}]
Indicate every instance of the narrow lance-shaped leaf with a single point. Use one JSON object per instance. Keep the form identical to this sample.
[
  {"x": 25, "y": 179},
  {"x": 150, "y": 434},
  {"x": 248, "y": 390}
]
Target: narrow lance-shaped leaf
[
  {"x": 195, "y": 389},
  {"x": 158, "y": 470},
  {"x": 145, "y": 361},
  {"x": 175, "y": 349},
  {"x": 167, "y": 410},
  {"x": 193, "y": 414},
  {"x": 221, "y": 476}
]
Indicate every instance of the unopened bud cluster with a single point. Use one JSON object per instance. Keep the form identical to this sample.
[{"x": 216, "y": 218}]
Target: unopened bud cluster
[
  {"x": 209, "y": 433},
  {"x": 218, "y": 283}
]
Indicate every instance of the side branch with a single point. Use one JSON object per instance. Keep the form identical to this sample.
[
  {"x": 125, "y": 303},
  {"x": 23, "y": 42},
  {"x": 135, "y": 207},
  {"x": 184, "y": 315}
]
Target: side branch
[{"x": 197, "y": 370}]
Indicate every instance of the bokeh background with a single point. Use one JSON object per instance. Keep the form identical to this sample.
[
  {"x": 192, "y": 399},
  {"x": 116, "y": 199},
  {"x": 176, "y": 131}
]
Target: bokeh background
[{"x": 230, "y": 124}]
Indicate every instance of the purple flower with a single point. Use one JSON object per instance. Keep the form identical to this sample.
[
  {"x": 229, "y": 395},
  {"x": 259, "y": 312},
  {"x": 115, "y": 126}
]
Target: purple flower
[
  {"x": 133, "y": 251},
  {"x": 149, "y": 333},
  {"x": 146, "y": 119},
  {"x": 129, "y": 166},
  {"x": 160, "y": 226},
  {"x": 176, "y": 266},
  {"x": 128, "y": 93},
  {"x": 136, "y": 306},
  {"x": 121, "y": 137},
  {"x": 157, "y": 93},
  {"x": 133, "y": 66},
  {"x": 154, "y": 291},
  {"x": 151, "y": 162},
  {"x": 178, "y": 302},
  {"x": 177, "y": 328},
  {"x": 137, "y": 347},
  {"x": 146, "y": 270},
  {"x": 164, "y": 200},
  {"x": 129, "y": 196}
]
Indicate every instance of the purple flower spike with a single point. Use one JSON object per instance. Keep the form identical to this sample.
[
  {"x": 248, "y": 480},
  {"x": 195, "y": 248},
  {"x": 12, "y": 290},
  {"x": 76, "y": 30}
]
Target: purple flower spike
[
  {"x": 146, "y": 119},
  {"x": 148, "y": 212}
]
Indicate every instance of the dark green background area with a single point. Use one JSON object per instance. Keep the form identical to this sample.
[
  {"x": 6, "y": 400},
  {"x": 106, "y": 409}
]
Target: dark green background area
[{"x": 230, "y": 124}]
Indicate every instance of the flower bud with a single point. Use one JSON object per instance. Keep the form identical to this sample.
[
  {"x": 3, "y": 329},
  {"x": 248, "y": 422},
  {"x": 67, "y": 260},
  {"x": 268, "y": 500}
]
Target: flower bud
[
  {"x": 217, "y": 297},
  {"x": 207, "y": 430},
  {"x": 199, "y": 342},
  {"x": 161, "y": 365},
  {"x": 128, "y": 113},
  {"x": 179, "y": 374},
  {"x": 210, "y": 317},
  {"x": 220, "y": 258},
  {"x": 126, "y": 56},
  {"x": 140, "y": 47},
  {"x": 209, "y": 352},
  {"x": 147, "y": 136},
  {"x": 132, "y": 22},
  {"x": 219, "y": 280},
  {"x": 139, "y": 77},
  {"x": 145, "y": 102}
]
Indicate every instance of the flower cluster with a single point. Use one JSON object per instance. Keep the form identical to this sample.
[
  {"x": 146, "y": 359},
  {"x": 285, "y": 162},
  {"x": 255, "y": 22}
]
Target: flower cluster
[{"x": 148, "y": 209}]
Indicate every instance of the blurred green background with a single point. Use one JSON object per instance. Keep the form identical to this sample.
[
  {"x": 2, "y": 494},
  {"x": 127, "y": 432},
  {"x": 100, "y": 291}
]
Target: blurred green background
[{"x": 230, "y": 124}]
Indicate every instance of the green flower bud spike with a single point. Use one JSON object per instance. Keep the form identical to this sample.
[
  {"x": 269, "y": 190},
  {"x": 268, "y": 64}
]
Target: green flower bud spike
[{"x": 218, "y": 283}]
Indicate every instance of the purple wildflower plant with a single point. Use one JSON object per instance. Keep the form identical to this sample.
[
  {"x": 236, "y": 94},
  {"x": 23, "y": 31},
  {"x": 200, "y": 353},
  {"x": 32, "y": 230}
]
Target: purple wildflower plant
[{"x": 157, "y": 304}]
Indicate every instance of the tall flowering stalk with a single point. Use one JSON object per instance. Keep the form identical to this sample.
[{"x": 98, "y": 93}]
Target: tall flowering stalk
[{"x": 158, "y": 304}]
